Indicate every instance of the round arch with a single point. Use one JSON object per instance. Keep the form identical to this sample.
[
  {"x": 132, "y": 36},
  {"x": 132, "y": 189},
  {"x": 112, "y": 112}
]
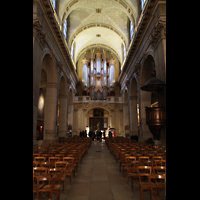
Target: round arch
[
  {"x": 146, "y": 69},
  {"x": 49, "y": 67},
  {"x": 97, "y": 106}
]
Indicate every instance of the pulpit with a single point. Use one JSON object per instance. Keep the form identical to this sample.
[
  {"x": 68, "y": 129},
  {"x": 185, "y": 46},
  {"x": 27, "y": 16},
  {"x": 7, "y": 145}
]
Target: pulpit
[{"x": 155, "y": 115}]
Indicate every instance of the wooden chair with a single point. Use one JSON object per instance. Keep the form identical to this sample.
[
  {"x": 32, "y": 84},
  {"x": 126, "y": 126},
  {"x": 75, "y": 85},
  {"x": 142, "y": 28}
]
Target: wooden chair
[
  {"x": 122, "y": 160},
  {"x": 157, "y": 181},
  {"x": 56, "y": 173},
  {"x": 147, "y": 163},
  {"x": 60, "y": 155},
  {"x": 70, "y": 167},
  {"x": 54, "y": 159},
  {"x": 35, "y": 163},
  {"x": 159, "y": 169},
  {"x": 137, "y": 155},
  {"x": 40, "y": 159},
  {"x": 133, "y": 172},
  {"x": 142, "y": 158},
  {"x": 35, "y": 155},
  {"x": 126, "y": 167},
  {"x": 75, "y": 154},
  {"x": 154, "y": 158},
  {"x": 63, "y": 165},
  {"x": 47, "y": 164},
  {"x": 75, "y": 162},
  {"x": 143, "y": 173},
  {"x": 38, "y": 172},
  {"x": 45, "y": 181},
  {"x": 160, "y": 162}
]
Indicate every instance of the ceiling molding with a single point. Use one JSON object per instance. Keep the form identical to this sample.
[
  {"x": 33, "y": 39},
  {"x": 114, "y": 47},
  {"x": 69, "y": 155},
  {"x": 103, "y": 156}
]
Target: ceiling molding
[
  {"x": 121, "y": 35},
  {"x": 98, "y": 45}
]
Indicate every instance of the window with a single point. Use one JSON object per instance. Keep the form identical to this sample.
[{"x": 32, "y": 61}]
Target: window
[
  {"x": 142, "y": 4},
  {"x": 65, "y": 29},
  {"x": 124, "y": 51},
  {"x": 54, "y": 3},
  {"x": 131, "y": 30},
  {"x": 72, "y": 51}
]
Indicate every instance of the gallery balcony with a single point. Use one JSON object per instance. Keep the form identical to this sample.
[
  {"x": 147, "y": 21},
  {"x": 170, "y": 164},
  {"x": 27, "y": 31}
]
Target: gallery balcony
[{"x": 87, "y": 99}]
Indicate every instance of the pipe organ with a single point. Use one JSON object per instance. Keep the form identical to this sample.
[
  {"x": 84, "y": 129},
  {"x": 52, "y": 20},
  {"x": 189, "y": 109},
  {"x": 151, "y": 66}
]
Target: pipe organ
[{"x": 98, "y": 77}]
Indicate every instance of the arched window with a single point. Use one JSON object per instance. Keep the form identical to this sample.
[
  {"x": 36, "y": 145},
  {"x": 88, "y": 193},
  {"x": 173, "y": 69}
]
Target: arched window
[
  {"x": 124, "y": 51},
  {"x": 65, "y": 29},
  {"x": 72, "y": 51},
  {"x": 142, "y": 4},
  {"x": 54, "y": 3},
  {"x": 131, "y": 30}
]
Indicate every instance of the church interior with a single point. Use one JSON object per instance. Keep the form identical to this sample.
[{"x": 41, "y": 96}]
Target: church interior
[{"x": 100, "y": 67}]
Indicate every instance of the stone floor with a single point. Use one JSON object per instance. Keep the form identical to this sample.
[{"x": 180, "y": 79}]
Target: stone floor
[{"x": 98, "y": 178}]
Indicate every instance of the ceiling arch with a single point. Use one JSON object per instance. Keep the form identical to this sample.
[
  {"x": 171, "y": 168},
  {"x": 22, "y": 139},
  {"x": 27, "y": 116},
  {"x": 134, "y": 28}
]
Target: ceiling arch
[
  {"x": 98, "y": 36},
  {"x": 107, "y": 18},
  {"x": 100, "y": 46}
]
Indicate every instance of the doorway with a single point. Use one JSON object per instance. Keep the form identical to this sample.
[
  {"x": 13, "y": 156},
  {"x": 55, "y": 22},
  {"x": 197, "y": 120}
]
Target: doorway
[{"x": 93, "y": 123}]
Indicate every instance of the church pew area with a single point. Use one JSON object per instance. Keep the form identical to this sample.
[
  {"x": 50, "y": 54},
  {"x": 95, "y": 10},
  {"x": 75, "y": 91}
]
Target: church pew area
[
  {"x": 67, "y": 155},
  {"x": 131, "y": 156}
]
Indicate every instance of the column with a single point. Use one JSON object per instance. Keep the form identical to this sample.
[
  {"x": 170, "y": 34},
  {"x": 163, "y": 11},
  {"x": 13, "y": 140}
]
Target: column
[
  {"x": 117, "y": 120},
  {"x": 71, "y": 115},
  {"x": 50, "y": 128},
  {"x": 133, "y": 125},
  {"x": 75, "y": 122},
  {"x": 126, "y": 118},
  {"x": 63, "y": 116},
  {"x": 145, "y": 102},
  {"x": 84, "y": 119},
  {"x": 37, "y": 56}
]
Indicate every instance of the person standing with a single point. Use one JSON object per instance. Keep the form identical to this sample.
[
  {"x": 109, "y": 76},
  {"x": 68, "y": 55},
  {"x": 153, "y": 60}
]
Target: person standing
[{"x": 98, "y": 131}]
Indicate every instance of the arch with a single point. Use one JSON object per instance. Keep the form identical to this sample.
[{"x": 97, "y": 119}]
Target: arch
[
  {"x": 92, "y": 46},
  {"x": 50, "y": 68},
  {"x": 146, "y": 69},
  {"x": 97, "y": 106},
  {"x": 130, "y": 10},
  {"x": 145, "y": 97},
  {"x": 103, "y": 25},
  {"x": 133, "y": 87}
]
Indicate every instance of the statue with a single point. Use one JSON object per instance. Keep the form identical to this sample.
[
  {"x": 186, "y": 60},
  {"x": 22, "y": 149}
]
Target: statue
[{"x": 98, "y": 128}]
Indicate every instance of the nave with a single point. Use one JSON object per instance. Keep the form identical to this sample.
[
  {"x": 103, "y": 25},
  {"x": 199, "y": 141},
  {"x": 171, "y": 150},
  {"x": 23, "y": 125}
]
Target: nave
[{"x": 98, "y": 177}]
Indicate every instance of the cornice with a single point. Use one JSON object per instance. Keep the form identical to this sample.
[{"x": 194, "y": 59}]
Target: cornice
[{"x": 49, "y": 12}]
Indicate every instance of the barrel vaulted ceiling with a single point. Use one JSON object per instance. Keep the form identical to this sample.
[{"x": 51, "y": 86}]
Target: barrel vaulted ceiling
[{"x": 102, "y": 23}]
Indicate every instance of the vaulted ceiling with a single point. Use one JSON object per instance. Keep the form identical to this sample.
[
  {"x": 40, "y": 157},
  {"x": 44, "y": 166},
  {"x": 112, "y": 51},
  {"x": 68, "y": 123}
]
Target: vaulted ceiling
[{"x": 102, "y": 23}]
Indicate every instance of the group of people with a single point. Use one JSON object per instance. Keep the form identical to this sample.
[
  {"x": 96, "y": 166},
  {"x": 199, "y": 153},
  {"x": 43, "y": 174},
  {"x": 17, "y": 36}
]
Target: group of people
[
  {"x": 97, "y": 136},
  {"x": 83, "y": 133}
]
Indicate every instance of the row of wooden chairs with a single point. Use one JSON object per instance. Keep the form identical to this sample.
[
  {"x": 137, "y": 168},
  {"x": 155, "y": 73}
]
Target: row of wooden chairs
[
  {"x": 142, "y": 162},
  {"x": 58, "y": 161}
]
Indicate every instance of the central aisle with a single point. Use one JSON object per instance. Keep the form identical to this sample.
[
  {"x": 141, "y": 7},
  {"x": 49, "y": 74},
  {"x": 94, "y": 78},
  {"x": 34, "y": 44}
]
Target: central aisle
[{"x": 98, "y": 178}]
